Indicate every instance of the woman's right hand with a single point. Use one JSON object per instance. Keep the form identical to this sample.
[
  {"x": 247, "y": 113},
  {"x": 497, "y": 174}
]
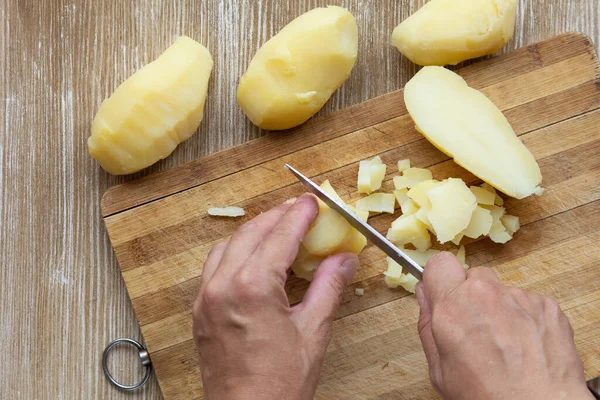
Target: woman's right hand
[{"x": 484, "y": 340}]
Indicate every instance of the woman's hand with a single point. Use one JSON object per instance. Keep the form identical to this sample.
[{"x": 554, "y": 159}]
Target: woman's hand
[
  {"x": 484, "y": 340},
  {"x": 251, "y": 343}
]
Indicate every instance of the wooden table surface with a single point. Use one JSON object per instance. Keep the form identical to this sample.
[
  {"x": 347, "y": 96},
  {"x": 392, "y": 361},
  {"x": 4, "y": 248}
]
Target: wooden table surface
[{"x": 61, "y": 295}]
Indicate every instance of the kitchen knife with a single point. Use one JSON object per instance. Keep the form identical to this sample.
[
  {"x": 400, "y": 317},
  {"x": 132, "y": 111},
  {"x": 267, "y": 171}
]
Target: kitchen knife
[{"x": 371, "y": 234}]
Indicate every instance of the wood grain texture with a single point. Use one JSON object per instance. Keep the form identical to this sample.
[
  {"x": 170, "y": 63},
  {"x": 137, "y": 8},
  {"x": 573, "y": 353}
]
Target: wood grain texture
[
  {"x": 61, "y": 296},
  {"x": 549, "y": 91}
]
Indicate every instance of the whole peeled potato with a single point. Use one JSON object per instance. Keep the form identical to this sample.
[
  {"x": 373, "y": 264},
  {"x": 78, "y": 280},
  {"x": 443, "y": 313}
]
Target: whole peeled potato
[
  {"x": 447, "y": 32},
  {"x": 293, "y": 75}
]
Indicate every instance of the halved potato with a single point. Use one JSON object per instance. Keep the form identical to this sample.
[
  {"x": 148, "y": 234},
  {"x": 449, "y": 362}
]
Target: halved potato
[{"x": 467, "y": 126}]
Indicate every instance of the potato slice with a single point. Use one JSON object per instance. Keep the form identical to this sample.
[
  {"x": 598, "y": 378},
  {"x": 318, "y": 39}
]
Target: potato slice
[
  {"x": 403, "y": 165},
  {"x": 483, "y": 196},
  {"x": 498, "y": 233},
  {"x": 153, "y": 111},
  {"x": 452, "y": 206},
  {"x": 401, "y": 196},
  {"x": 420, "y": 257},
  {"x": 511, "y": 223},
  {"x": 480, "y": 224},
  {"x": 467, "y": 126},
  {"x": 451, "y": 31},
  {"x": 293, "y": 75},
  {"x": 409, "y": 207},
  {"x": 461, "y": 255},
  {"x": 408, "y": 229},
  {"x": 227, "y": 212},
  {"x": 327, "y": 188},
  {"x": 393, "y": 279},
  {"x": 419, "y": 192},
  {"x": 456, "y": 240},
  {"x": 353, "y": 243},
  {"x": 305, "y": 264},
  {"x": 377, "y": 202},
  {"x": 401, "y": 182},
  {"x": 363, "y": 215},
  {"x": 416, "y": 175},
  {"x": 370, "y": 175}
]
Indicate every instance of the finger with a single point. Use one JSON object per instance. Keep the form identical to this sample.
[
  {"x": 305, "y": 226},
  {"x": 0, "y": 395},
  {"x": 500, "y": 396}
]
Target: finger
[
  {"x": 442, "y": 274},
  {"x": 279, "y": 248},
  {"x": 323, "y": 297},
  {"x": 483, "y": 273},
  {"x": 246, "y": 238},
  {"x": 426, "y": 335},
  {"x": 212, "y": 261}
]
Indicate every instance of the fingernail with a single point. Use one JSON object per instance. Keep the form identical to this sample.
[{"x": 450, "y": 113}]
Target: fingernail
[
  {"x": 420, "y": 295},
  {"x": 349, "y": 267},
  {"x": 290, "y": 201}
]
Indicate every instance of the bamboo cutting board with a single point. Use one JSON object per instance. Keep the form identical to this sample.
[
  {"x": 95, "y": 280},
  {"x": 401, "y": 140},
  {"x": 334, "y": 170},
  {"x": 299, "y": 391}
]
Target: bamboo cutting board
[{"x": 550, "y": 92}]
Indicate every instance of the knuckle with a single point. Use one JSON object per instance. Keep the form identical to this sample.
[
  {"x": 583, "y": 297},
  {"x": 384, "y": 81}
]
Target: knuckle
[
  {"x": 481, "y": 288},
  {"x": 336, "y": 284},
  {"x": 246, "y": 286},
  {"x": 211, "y": 294}
]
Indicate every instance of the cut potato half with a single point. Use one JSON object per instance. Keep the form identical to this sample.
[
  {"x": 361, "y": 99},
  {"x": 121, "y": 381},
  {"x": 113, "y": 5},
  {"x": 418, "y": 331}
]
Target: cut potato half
[{"x": 467, "y": 126}]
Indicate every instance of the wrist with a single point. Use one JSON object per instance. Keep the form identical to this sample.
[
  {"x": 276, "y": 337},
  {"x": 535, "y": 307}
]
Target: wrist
[{"x": 250, "y": 388}]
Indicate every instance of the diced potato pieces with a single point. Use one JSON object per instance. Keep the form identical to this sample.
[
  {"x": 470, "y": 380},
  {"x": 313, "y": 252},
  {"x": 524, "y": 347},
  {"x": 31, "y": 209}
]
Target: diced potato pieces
[
  {"x": 227, "y": 212},
  {"x": 305, "y": 264},
  {"x": 393, "y": 279},
  {"x": 488, "y": 187},
  {"x": 359, "y": 292},
  {"x": 408, "y": 229},
  {"x": 499, "y": 201},
  {"x": 403, "y": 165},
  {"x": 458, "y": 238},
  {"x": 409, "y": 207},
  {"x": 461, "y": 255},
  {"x": 419, "y": 192},
  {"x": 480, "y": 224},
  {"x": 422, "y": 215},
  {"x": 394, "y": 270},
  {"x": 539, "y": 191},
  {"x": 401, "y": 195},
  {"x": 401, "y": 182},
  {"x": 496, "y": 212},
  {"x": 416, "y": 175},
  {"x": 483, "y": 196},
  {"x": 511, "y": 223},
  {"x": 363, "y": 215},
  {"x": 420, "y": 257},
  {"x": 370, "y": 175},
  {"x": 499, "y": 234},
  {"x": 327, "y": 188},
  {"x": 377, "y": 202},
  {"x": 452, "y": 206}
]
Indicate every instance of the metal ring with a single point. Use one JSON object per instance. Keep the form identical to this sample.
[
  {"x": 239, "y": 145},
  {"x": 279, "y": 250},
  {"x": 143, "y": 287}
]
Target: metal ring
[{"x": 144, "y": 358}]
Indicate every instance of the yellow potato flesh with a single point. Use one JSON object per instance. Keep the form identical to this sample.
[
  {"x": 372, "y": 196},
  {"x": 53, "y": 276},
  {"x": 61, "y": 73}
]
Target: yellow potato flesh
[
  {"x": 403, "y": 165},
  {"x": 452, "y": 206},
  {"x": 153, "y": 111},
  {"x": 467, "y": 126},
  {"x": 483, "y": 196},
  {"x": 377, "y": 202},
  {"x": 329, "y": 234},
  {"x": 408, "y": 229},
  {"x": 394, "y": 277},
  {"x": 480, "y": 224},
  {"x": 409, "y": 207},
  {"x": 292, "y": 75},
  {"x": 511, "y": 223},
  {"x": 451, "y": 31},
  {"x": 401, "y": 195},
  {"x": 420, "y": 257},
  {"x": 370, "y": 175}
]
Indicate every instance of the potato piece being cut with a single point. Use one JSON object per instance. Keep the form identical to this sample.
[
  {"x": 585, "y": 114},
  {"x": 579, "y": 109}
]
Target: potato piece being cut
[
  {"x": 452, "y": 206},
  {"x": 377, "y": 202},
  {"x": 293, "y": 75},
  {"x": 467, "y": 126},
  {"x": 451, "y": 31},
  {"x": 370, "y": 175},
  {"x": 394, "y": 277},
  {"x": 153, "y": 111}
]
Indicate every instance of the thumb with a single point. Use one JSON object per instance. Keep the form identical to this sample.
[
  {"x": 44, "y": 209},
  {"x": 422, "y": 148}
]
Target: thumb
[
  {"x": 425, "y": 333},
  {"x": 323, "y": 297}
]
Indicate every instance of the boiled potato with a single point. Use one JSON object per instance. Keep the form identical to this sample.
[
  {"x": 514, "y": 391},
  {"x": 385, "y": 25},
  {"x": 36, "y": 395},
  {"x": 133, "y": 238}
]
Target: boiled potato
[
  {"x": 451, "y": 31},
  {"x": 467, "y": 126},
  {"x": 483, "y": 196},
  {"x": 370, "y": 175},
  {"x": 329, "y": 234},
  {"x": 377, "y": 202},
  {"x": 293, "y": 75},
  {"x": 452, "y": 206},
  {"x": 153, "y": 111},
  {"x": 408, "y": 229},
  {"x": 409, "y": 207},
  {"x": 511, "y": 223},
  {"x": 403, "y": 165},
  {"x": 401, "y": 195},
  {"x": 420, "y": 257},
  {"x": 480, "y": 224},
  {"x": 394, "y": 277}
]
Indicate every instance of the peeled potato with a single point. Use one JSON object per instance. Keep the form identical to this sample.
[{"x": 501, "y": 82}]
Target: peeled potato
[
  {"x": 480, "y": 224},
  {"x": 293, "y": 75},
  {"x": 409, "y": 229},
  {"x": 467, "y": 126},
  {"x": 451, "y": 31},
  {"x": 370, "y": 175},
  {"x": 377, "y": 202},
  {"x": 153, "y": 111}
]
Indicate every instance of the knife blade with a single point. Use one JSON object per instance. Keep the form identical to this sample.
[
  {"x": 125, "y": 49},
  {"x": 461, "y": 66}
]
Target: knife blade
[{"x": 371, "y": 234}]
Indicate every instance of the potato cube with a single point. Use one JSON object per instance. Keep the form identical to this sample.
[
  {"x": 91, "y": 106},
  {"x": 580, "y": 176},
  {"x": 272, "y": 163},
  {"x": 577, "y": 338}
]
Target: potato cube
[
  {"x": 401, "y": 195},
  {"x": 499, "y": 201},
  {"x": 483, "y": 196},
  {"x": 408, "y": 229},
  {"x": 363, "y": 215},
  {"x": 488, "y": 187},
  {"x": 394, "y": 270},
  {"x": 480, "y": 224},
  {"x": 409, "y": 207},
  {"x": 511, "y": 223},
  {"x": 416, "y": 175},
  {"x": 499, "y": 234},
  {"x": 370, "y": 175},
  {"x": 401, "y": 182},
  {"x": 403, "y": 165},
  {"x": 422, "y": 215},
  {"x": 377, "y": 202},
  {"x": 452, "y": 206},
  {"x": 419, "y": 192}
]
